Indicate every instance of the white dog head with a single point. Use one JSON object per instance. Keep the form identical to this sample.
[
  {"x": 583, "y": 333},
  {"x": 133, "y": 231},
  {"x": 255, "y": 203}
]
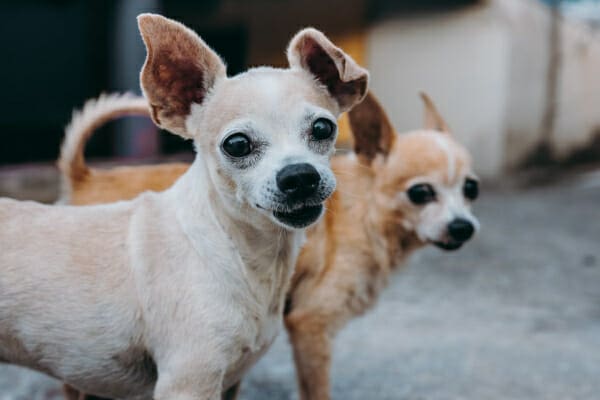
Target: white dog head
[{"x": 265, "y": 135}]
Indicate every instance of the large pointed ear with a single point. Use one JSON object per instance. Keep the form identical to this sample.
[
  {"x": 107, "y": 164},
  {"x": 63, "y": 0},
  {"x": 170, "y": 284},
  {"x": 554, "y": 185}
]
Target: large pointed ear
[
  {"x": 433, "y": 119},
  {"x": 179, "y": 71},
  {"x": 373, "y": 133},
  {"x": 345, "y": 80}
]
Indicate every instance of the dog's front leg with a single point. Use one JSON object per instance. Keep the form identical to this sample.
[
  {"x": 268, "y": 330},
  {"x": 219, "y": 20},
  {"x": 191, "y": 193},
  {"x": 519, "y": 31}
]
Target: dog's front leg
[
  {"x": 232, "y": 392},
  {"x": 73, "y": 394},
  {"x": 189, "y": 382},
  {"x": 311, "y": 343}
]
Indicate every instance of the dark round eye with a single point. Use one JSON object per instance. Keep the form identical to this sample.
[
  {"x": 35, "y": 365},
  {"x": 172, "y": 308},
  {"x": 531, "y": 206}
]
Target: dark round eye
[
  {"x": 237, "y": 145},
  {"x": 322, "y": 129},
  {"x": 421, "y": 193},
  {"x": 471, "y": 189}
]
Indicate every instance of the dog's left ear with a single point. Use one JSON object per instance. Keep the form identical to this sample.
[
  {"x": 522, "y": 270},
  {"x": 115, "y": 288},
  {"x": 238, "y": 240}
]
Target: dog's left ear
[
  {"x": 372, "y": 130},
  {"x": 345, "y": 80},
  {"x": 433, "y": 119}
]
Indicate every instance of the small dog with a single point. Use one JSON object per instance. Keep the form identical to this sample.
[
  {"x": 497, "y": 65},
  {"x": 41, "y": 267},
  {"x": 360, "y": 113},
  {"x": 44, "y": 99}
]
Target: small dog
[
  {"x": 396, "y": 194},
  {"x": 174, "y": 295}
]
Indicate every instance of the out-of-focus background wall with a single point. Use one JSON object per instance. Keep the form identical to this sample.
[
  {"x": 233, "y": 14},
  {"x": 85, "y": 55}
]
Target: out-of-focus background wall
[{"x": 517, "y": 80}]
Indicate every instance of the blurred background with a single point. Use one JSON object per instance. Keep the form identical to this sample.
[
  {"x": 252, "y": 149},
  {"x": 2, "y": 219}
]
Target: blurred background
[
  {"x": 516, "y": 314},
  {"x": 518, "y": 82}
]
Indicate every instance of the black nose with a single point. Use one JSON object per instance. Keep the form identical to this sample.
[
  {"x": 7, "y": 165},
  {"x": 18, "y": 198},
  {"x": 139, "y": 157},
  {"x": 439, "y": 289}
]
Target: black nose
[
  {"x": 298, "y": 181},
  {"x": 460, "y": 230}
]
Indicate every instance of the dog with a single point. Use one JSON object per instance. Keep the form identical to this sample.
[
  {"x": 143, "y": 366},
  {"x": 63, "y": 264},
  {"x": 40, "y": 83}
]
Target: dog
[
  {"x": 397, "y": 193},
  {"x": 174, "y": 295}
]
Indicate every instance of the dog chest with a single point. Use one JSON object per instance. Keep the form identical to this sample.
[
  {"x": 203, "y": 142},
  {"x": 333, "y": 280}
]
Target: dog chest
[{"x": 251, "y": 349}]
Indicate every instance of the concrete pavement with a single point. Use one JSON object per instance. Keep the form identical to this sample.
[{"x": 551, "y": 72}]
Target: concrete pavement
[{"x": 513, "y": 315}]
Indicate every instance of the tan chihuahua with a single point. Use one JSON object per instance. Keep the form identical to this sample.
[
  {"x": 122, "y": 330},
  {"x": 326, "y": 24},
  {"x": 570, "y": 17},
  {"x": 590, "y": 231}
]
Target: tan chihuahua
[
  {"x": 174, "y": 295},
  {"x": 396, "y": 193}
]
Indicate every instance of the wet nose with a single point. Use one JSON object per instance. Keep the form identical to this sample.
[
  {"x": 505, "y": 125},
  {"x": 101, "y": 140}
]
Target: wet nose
[
  {"x": 460, "y": 230},
  {"x": 298, "y": 181}
]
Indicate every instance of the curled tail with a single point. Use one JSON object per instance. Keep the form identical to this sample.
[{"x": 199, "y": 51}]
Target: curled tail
[{"x": 94, "y": 114}]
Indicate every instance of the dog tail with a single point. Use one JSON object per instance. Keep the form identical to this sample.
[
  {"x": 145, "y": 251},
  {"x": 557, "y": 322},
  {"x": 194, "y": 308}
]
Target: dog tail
[{"x": 94, "y": 114}]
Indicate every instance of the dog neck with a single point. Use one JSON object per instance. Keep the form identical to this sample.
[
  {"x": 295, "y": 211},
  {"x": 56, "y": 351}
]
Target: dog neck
[
  {"x": 266, "y": 252},
  {"x": 388, "y": 238},
  {"x": 384, "y": 235},
  {"x": 390, "y": 241}
]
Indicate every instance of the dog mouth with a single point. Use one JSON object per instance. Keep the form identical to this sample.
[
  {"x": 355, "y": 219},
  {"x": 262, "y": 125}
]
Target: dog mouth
[
  {"x": 449, "y": 245},
  {"x": 300, "y": 217}
]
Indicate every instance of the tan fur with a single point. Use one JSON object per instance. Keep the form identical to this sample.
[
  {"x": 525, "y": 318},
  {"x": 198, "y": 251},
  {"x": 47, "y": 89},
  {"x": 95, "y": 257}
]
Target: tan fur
[
  {"x": 83, "y": 185},
  {"x": 433, "y": 120},
  {"x": 365, "y": 234},
  {"x": 174, "y": 295},
  {"x": 124, "y": 183}
]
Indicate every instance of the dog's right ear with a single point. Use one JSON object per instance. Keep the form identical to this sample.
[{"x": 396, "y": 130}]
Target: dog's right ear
[
  {"x": 433, "y": 119},
  {"x": 372, "y": 130},
  {"x": 343, "y": 78},
  {"x": 179, "y": 71}
]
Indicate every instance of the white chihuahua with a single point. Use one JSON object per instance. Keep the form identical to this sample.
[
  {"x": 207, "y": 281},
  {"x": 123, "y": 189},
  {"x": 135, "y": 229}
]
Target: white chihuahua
[{"x": 174, "y": 295}]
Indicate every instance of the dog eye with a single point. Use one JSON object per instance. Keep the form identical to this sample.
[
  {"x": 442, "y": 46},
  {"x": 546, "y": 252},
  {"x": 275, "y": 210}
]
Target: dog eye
[
  {"x": 237, "y": 145},
  {"x": 322, "y": 129},
  {"x": 421, "y": 193},
  {"x": 471, "y": 189}
]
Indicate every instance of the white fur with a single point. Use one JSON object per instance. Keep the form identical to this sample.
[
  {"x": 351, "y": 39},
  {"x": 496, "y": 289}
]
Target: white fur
[
  {"x": 444, "y": 144},
  {"x": 430, "y": 221},
  {"x": 131, "y": 296}
]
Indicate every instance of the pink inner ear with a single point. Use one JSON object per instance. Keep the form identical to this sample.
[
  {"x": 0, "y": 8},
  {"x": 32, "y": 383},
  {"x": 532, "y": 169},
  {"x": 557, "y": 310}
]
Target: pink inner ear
[
  {"x": 176, "y": 85},
  {"x": 324, "y": 68},
  {"x": 320, "y": 64}
]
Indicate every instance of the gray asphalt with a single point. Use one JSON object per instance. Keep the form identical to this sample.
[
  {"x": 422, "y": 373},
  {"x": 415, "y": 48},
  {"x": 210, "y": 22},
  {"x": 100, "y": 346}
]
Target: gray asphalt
[{"x": 513, "y": 315}]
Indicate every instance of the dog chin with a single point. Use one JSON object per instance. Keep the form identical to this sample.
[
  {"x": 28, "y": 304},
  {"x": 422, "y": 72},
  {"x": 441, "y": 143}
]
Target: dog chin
[
  {"x": 448, "y": 245},
  {"x": 299, "y": 218}
]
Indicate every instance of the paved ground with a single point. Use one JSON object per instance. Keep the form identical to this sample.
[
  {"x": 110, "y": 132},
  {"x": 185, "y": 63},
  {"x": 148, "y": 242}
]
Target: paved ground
[{"x": 514, "y": 315}]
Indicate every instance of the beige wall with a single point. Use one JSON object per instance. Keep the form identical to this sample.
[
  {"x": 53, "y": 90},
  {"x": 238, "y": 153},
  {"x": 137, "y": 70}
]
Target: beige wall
[
  {"x": 577, "y": 109},
  {"x": 528, "y": 26},
  {"x": 486, "y": 67},
  {"x": 578, "y": 117},
  {"x": 466, "y": 75}
]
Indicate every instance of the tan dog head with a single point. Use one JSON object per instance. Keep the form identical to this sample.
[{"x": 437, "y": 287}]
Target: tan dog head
[
  {"x": 423, "y": 179},
  {"x": 265, "y": 135}
]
